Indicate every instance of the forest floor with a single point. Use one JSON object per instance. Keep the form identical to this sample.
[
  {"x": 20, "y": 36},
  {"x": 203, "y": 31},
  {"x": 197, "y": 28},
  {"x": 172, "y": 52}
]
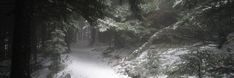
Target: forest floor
[
  {"x": 100, "y": 61},
  {"x": 92, "y": 62}
]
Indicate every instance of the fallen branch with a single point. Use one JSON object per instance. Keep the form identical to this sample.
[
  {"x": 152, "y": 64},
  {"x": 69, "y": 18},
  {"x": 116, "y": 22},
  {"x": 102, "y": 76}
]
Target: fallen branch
[{"x": 147, "y": 44}]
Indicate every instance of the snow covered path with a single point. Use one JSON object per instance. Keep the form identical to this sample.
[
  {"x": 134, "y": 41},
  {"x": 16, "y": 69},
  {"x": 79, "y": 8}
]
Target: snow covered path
[{"x": 86, "y": 62}]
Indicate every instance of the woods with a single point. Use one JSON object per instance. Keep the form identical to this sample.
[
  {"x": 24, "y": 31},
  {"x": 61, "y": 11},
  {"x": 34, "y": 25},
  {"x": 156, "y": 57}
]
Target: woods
[
  {"x": 132, "y": 38},
  {"x": 22, "y": 41}
]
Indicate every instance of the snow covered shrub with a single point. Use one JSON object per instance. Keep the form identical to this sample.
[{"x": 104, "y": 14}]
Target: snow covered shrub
[
  {"x": 54, "y": 48},
  {"x": 204, "y": 61},
  {"x": 56, "y": 43},
  {"x": 146, "y": 65}
]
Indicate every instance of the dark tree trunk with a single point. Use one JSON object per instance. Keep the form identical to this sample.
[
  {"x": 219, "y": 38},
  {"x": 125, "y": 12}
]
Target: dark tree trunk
[
  {"x": 34, "y": 45},
  {"x": 2, "y": 42},
  {"x": 68, "y": 36},
  {"x": 118, "y": 42},
  {"x": 22, "y": 40},
  {"x": 199, "y": 71},
  {"x": 7, "y": 17},
  {"x": 92, "y": 31},
  {"x": 93, "y": 35},
  {"x": 121, "y": 2},
  {"x": 136, "y": 9}
]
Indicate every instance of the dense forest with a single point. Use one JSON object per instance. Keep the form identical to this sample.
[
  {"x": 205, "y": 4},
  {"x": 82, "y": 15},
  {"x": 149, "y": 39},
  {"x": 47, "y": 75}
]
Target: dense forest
[{"x": 117, "y": 39}]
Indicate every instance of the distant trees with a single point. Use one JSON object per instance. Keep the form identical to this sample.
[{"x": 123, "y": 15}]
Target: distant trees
[
  {"x": 43, "y": 28},
  {"x": 91, "y": 13}
]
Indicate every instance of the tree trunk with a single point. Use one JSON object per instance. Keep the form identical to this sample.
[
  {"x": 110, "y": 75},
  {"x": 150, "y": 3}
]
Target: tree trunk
[
  {"x": 92, "y": 32},
  {"x": 22, "y": 41},
  {"x": 93, "y": 35},
  {"x": 118, "y": 42},
  {"x": 68, "y": 35},
  {"x": 199, "y": 71},
  {"x": 136, "y": 9}
]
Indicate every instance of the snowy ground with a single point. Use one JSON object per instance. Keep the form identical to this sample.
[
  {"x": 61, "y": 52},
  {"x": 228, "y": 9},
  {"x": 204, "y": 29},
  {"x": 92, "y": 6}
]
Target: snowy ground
[
  {"x": 94, "y": 62},
  {"x": 89, "y": 62}
]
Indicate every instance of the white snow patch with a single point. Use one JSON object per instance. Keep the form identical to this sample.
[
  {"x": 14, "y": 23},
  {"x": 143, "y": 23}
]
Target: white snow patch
[
  {"x": 84, "y": 69},
  {"x": 88, "y": 63}
]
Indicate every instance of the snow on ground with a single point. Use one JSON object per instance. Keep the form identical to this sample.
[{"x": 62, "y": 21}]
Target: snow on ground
[
  {"x": 86, "y": 62},
  {"x": 91, "y": 62}
]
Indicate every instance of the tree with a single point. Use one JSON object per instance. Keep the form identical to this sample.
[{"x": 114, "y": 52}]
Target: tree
[
  {"x": 197, "y": 21},
  {"x": 41, "y": 12},
  {"x": 20, "y": 67},
  {"x": 91, "y": 13}
]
